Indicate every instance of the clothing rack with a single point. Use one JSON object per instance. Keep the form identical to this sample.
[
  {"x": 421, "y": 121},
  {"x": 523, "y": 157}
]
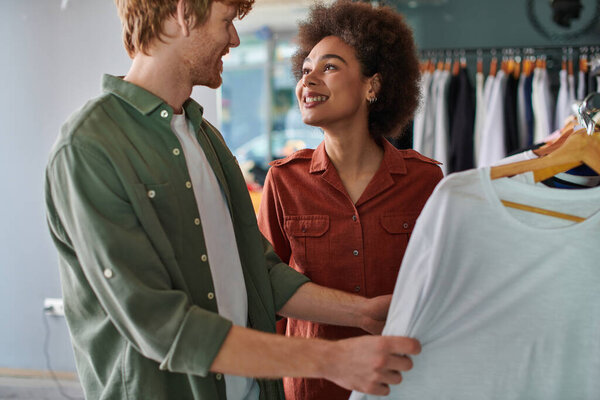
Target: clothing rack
[{"x": 591, "y": 49}]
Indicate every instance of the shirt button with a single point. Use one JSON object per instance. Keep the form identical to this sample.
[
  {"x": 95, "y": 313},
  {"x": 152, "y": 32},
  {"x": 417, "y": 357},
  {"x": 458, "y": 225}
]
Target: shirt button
[
  {"x": 219, "y": 377},
  {"x": 188, "y": 184},
  {"x": 354, "y": 218},
  {"x": 357, "y": 288},
  {"x": 355, "y": 252},
  {"x": 108, "y": 273},
  {"x": 197, "y": 221},
  {"x": 405, "y": 225},
  {"x": 151, "y": 193},
  {"x": 176, "y": 152},
  {"x": 211, "y": 295},
  {"x": 204, "y": 258},
  {"x": 164, "y": 113},
  {"x": 303, "y": 230}
]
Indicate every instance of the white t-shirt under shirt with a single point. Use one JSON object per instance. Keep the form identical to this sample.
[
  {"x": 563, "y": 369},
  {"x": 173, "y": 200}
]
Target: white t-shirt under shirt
[
  {"x": 506, "y": 303},
  {"x": 221, "y": 246}
]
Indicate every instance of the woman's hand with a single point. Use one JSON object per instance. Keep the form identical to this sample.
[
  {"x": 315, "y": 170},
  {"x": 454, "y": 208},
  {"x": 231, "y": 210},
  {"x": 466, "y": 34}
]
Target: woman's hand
[{"x": 375, "y": 313}]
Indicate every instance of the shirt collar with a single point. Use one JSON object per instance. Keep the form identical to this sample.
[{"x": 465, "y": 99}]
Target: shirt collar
[
  {"x": 142, "y": 100},
  {"x": 393, "y": 159}
]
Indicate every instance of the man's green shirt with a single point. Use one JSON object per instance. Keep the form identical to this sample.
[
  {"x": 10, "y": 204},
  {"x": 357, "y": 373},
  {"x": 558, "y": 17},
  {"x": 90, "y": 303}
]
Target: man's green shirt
[{"x": 138, "y": 292}]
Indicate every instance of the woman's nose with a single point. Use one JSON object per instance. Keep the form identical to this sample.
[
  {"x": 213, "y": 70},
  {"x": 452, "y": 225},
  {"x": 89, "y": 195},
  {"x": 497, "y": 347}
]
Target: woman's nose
[{"x": 307, "y": 80}]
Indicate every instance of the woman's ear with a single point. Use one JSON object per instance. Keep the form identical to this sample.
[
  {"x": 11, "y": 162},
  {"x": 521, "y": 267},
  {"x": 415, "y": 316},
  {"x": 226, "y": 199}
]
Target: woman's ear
[{"x": 374, "y": 88}]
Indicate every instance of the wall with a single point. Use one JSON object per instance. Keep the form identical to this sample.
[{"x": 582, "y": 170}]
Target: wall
[
  {"x": 52, "y": 62},
  {"x": 487, "y": 23}
]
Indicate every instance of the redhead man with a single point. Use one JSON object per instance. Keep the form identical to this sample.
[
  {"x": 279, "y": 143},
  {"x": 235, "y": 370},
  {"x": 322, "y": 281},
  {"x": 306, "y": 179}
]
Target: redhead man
[{"x": 170, "y": 290}]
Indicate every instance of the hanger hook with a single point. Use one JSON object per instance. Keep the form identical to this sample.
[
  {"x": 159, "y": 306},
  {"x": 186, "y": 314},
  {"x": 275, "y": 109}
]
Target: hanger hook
[{"x": 588, "y": 111}]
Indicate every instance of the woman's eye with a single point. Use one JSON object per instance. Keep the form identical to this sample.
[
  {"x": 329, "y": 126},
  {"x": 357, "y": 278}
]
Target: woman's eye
[
  {"x": 329, "y": 67},
  {"x": 305, "y": 71}
]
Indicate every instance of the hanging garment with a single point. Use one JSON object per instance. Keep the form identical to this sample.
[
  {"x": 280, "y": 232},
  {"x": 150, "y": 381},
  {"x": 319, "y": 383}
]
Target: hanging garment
[
  {"x": 529, "y": 115},
  {"x": 441, "y": 129},
  {"x": 492, "y": 141},
  {"x": 505, "y": 302},
  {"x": 479, "y": 113},
  {"x": 422, "y": 112},
  {"x": 452, "y": 98},
  {"x": 541, "y": 99},
  {"x": 429, "y": 118},
  {"x": 562, "y": 102},
  {"x": 463, "y": 122},
  {"x": 581, "y": 85},
  {"x": 592, "y": 84},
  {"x": 521, "y": 112},
  {"x": 572, "y": 98},
  {"x": 511, "y": 130}
]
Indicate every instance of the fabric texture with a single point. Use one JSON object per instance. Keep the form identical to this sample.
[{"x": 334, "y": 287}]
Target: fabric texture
[
  {"x": 314, "y": 225},
  {"x": 505, "y": 302},
  {"x": 138, "y": 291}
]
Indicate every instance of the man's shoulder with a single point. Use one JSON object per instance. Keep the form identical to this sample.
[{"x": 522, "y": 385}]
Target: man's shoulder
[{"x": 79, "y": 126}]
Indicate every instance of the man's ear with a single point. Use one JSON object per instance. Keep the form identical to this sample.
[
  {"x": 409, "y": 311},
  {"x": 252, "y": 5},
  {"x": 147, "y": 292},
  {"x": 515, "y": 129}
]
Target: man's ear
[{"x": 183, "y": 18}]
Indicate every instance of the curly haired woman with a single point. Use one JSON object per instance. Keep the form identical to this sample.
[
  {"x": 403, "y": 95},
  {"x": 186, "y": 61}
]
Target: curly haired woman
[{"x": 342, "y": 214}]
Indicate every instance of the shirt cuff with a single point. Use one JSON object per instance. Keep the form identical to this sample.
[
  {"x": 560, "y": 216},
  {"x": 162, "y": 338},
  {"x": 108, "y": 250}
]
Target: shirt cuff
[{"x": 197, "y": 343}]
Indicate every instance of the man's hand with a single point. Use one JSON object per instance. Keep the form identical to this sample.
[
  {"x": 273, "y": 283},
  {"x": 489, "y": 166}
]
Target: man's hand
[
  {"x": 370, "y": 364},
  {"x": 374, "y": 312},
  {"x": 367, "y": 363}
]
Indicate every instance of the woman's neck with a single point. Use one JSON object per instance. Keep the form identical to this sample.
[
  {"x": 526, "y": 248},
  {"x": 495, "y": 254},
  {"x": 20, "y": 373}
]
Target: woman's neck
[
  {"x": 353, "y": 154},
  {"x": 356, "y": 157}
]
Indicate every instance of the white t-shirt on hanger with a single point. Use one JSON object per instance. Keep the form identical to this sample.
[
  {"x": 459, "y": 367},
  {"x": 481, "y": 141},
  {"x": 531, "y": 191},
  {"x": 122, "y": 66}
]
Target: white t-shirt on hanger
[{"x": 505, "y": 302}]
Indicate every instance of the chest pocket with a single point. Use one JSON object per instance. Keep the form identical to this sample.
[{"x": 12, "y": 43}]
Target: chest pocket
[
  {"x": 308, "y": 239},
  {"x": 397, "y": 229}
]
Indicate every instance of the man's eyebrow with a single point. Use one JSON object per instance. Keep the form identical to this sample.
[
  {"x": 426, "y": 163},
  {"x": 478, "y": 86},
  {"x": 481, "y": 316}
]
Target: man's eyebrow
[{"x": 326, "y": 56}]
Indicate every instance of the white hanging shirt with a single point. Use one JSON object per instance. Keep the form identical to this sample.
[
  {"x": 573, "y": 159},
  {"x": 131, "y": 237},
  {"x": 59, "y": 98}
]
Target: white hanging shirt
[
  {"x": 422, "y": 112},
  {"x": 562, "y": 102},
  {"x": 505, "y": 302},
  {"x": 428, "y": 143},
  {"x": 493, "y": 147},
  {"x": 479, "y": 113},
  {"x": 221, "y": 246},
  {"x": 441, "y": 128}
]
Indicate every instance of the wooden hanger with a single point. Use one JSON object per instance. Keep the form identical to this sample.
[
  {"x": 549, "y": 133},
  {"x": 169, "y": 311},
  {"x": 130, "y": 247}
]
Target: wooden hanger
[{"x": 580, "y": 147}]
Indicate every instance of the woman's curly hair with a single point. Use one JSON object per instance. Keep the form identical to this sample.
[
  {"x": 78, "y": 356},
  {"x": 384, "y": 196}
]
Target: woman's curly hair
[{"x": 383, "y": 43}]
